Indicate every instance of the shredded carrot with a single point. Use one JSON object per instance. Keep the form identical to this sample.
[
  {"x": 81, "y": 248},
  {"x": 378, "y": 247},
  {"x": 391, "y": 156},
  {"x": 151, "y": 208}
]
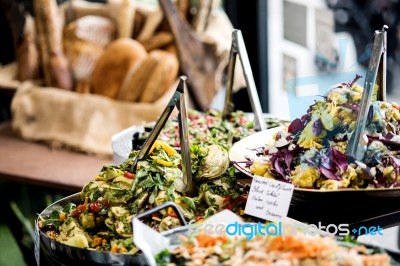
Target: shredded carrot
[
  {"x": 207, "y": 241},
  {"x": 97, "y": 242},
  {"x": 299, "y": 247},
  {"x": 114, "y": 249}
]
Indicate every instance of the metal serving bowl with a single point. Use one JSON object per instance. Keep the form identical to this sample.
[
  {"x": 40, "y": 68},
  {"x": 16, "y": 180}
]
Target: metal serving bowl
[{"x": 57, "y": 253}]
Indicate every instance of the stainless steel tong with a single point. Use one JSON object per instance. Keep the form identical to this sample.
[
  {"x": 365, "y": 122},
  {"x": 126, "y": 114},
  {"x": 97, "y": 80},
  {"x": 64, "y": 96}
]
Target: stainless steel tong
[
  {"x": 238, "y": 48},
  {"x": 178, "y": 100},
  {"x": 376, "y": 72}
]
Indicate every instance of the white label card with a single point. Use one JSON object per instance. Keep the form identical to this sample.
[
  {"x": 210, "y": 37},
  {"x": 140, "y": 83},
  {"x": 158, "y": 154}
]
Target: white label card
[{"x": 269, "y": 199}]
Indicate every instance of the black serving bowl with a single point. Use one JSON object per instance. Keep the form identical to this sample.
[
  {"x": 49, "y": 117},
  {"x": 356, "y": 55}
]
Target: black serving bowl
[{"x": 356, "y": 207}]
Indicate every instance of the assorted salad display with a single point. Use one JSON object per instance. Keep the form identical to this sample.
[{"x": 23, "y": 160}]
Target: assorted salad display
[
  {"x": 300, "y": 250},
  {"x": 102, "y": 221},
  {"x": 311, "y": 151},
  {"x": 209, "y": 128}
]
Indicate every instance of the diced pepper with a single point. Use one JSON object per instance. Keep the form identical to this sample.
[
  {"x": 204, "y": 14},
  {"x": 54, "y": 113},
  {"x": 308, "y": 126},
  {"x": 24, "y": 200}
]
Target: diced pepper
[
  {"x": 78, "y": 210},
  {"x": 173, "y": 214},
  {"x": 62, "y": 216},
  {"x": 165, "y": 163},
  {"x": 167, "y": 148},
  {"x": 129, "y": 175},
  {"x": 162, "y": 162}
]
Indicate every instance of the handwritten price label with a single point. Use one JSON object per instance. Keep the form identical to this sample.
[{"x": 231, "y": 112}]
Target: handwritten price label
[{"x": 269, "y": 199}]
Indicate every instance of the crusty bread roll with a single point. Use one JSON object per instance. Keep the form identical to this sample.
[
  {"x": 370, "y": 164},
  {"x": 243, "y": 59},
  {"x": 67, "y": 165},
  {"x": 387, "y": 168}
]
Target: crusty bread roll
[
  {"x": 84, "y": 42},
  {"x": 148, "y": 81},
  {"x": 96, "y": 30},
  {"x": 136, "y": 79},
  {"x": 161, "y": 77},
  {"x": 111, "y": 68}
]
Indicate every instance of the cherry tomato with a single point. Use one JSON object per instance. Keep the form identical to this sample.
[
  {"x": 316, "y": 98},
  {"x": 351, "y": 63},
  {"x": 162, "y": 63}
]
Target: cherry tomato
[
  {"x": 78, "y": 210},
  {"x": 95, "y": 207},
  {"x": 227, "y": 199},
  {"x": 129, "y": 175},
  {"x": 107, "y": 203},
  {"x": 173, "y": 214},
  {"x": 242, "y": 120},
  {"x": 240, "y": 199}
]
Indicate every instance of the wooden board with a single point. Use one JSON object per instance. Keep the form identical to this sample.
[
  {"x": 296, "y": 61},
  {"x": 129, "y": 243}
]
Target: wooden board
[{"x": 38, "y": 164}]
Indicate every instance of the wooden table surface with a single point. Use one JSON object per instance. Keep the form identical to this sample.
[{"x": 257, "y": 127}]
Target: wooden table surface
[{"x": 38, "y": 164}]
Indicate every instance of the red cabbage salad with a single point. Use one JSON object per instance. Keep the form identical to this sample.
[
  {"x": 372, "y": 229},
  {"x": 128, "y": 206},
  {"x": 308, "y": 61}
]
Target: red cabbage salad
[{"x": 311, "y": 151}]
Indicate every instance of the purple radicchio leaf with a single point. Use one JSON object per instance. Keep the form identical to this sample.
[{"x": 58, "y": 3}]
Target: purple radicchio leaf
[
  {"x": 295, "y": 126},
  {"x": 328, "y": 173},
  {"x": 278, "y": 168},
  {"x": 325, "y": 160},
  {"x": 340, "y": 160},
  {"x": 312, "y": 162},
  {"x": 305, "y": 118},
  {"x": 392, "y": 144},
  {"x": 288, "y": 159},
  {"x": 389, "y": 136},
  {"x": 317, "y": 127},
  {"x": 395, "y": 160},
  {"x": 395, "y": 163},
  {"x": 352, "y": 106}
]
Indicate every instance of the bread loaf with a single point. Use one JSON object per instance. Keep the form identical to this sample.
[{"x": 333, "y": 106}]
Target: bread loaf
[
  {"x": 148, "y": 81},
  {"x": 96, "y": 30},
  {"x": 49, "y": 34},
  {"x": 161, "y": 77},
  {"x": 136, "y": 79},
  {"x": 84, "y": 42},
  {"x": 112, "y": 67}
]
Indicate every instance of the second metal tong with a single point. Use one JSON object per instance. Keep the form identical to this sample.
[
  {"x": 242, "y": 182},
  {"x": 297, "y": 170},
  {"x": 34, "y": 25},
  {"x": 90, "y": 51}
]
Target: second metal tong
[
  {"x": 178, "y": 100},
  {"x": 238, "y": 48},
  {"x": 376, "y": 72}
]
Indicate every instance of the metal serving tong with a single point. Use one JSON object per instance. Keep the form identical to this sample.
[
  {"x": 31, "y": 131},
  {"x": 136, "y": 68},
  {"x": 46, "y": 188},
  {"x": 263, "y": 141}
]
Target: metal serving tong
[
  {"x": 376, "y": 72},
  {"x": 178, "y": 100},
  {"x": 238, "y": 48}
]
